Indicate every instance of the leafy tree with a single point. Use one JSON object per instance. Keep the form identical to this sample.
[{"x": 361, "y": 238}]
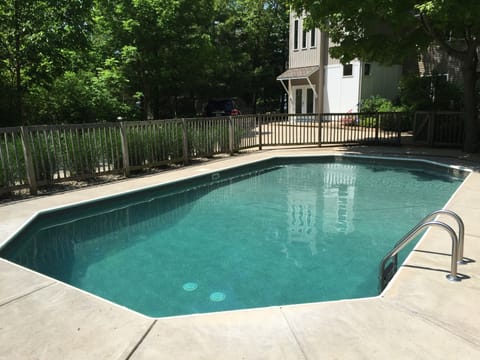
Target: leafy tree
[
  {"x": 429, "y": 93},
  {"x": 64, "y": 61},
  {"x": 37, "y": 41},
  {"x": 389, "y": 31},
  {"x": 256, "y": 32},
  {"x": 190, "y": 50},
  {"x": 163, "y": 46},
  {"x": 79, "y": 97}
]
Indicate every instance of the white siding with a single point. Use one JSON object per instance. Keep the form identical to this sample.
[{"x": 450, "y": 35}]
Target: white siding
[
  {"x": 337, "y": 93},
  {"x": 341, "y": 93}
]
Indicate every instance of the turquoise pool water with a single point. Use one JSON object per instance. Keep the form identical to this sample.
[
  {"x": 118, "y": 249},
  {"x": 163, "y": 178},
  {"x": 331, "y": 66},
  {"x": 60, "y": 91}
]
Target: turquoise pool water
[{"x": 279, "y": 232}]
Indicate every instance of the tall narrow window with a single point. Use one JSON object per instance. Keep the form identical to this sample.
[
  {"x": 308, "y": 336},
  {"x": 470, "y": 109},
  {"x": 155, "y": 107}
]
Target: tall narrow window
[
  {"x": 304, "y": 39},
  {"x": 313, "y": 40},
  {"x": 347, "y": 70},
  {"x": 295, "y": 35}
]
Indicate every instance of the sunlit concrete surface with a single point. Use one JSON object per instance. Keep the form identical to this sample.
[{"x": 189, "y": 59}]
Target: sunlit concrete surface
[{"x": 420, "y": 315}]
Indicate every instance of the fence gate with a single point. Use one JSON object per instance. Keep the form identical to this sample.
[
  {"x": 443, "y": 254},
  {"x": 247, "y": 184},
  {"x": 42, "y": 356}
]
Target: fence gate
[{"x": 438, "y": 128}]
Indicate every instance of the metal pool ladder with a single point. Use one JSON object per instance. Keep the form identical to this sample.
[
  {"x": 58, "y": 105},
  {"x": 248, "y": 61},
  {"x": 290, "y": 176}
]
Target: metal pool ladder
[{"x": 389, "y": 264}]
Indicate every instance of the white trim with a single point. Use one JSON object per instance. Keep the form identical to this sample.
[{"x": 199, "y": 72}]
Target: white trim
[
  {"x": 313, "y": 88},
  {"x": 304, "y": 106}
]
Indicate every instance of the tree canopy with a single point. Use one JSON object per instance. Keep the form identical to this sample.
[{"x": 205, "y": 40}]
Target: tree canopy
[
  {"x": 64, "y": 61},
  {"x": 37, "y": 39},
  {"x": 392, "y": 30}
]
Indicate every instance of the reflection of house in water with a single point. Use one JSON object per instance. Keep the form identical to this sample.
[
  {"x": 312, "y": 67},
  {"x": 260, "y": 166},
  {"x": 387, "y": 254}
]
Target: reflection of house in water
[
  {"x": 302, "y": 208},
  {"x": 338, "y": 198},
  {"x": 337, "y": 193},
  {"x": 69, "y": 242}
]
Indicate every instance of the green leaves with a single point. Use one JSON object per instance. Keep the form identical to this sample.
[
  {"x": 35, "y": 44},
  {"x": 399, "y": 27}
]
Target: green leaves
[
  {"x": 36, "y": 37},
  {"x": 391, "y": 31},
  {"x": 94, "y": 60}
]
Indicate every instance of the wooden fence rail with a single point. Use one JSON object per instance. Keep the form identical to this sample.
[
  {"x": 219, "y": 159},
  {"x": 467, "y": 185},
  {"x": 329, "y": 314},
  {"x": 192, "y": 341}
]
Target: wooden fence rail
[{"x": 34, "y": 156}]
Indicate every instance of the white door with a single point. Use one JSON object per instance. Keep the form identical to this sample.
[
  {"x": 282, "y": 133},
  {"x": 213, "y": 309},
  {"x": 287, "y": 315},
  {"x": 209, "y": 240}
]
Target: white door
[{"x": 303, "y": 100}]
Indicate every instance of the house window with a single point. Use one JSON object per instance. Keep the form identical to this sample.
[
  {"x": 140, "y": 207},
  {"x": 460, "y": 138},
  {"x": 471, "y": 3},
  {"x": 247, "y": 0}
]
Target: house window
[
  {"x": 367, "y": 69},
  {"x": 313, "y": 40},
  {"x": 295, "y": 35},
  {"x": 304, "y": 39},
  {"x": 347, "y": 70}
]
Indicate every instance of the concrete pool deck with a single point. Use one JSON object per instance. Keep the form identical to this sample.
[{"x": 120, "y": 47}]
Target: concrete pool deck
[{"x": 420, "y": 315}]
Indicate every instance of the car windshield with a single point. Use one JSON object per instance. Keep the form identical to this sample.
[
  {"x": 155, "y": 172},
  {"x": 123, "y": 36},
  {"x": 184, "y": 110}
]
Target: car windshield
[{"x": 223, "y": 105}]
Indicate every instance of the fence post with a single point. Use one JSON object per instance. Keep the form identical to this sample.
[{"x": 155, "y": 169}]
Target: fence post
[
  {"x": 399, "y": 118},
  {"x": 259, "y": 124},
  {"x": 231, "y": 136},
  {"x": 377, "y": 127},
  {"x": 319, "y": 118},
  {"x": 431, "y": 128},
  {"x": 125, "y": 155},
  {"x": 30, "y": 169},
  {"x": 185, "y": 142}
]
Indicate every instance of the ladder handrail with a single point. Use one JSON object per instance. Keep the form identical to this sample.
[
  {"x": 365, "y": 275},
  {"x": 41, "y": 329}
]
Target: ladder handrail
[
  {"x": 461, "y": 229},
  {"x": 427, "y": 222}
]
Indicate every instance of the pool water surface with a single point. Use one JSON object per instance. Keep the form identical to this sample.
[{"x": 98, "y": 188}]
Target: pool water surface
[{"x": 283, "y": 231}]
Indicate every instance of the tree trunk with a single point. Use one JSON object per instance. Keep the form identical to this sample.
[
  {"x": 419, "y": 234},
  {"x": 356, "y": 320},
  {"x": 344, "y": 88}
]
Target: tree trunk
[{"x": 472, "y": 135}]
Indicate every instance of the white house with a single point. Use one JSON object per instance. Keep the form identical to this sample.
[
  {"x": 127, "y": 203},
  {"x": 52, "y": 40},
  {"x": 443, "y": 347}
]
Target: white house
[{"x": 317, "y": 83}]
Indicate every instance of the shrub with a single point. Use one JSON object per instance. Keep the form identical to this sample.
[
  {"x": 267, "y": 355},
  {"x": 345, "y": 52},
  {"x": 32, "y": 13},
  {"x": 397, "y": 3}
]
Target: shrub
[
  {"x": 400, "y": 122},
  {"x": 12, "y": 162},
  {"x": 44, "y": 158},
  {"x": 84, "y": 154},
  {"x": 429, "y": 93},
  {"x": 154, "y": 143},
  {"x": 376, "y": 103},
  {"x": 367, "y": 122}
]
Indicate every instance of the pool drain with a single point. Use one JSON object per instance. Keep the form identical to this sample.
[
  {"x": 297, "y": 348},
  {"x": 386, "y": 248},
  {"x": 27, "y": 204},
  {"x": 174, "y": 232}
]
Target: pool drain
[
  {"x": 190, "y": 286},
  {"x": 217, "y": 296}
]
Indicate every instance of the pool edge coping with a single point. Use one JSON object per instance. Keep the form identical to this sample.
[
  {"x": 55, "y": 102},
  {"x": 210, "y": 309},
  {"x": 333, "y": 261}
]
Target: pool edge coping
[
  {"x": 270, "y": 155},
  {"x": 147, "y": 343}
]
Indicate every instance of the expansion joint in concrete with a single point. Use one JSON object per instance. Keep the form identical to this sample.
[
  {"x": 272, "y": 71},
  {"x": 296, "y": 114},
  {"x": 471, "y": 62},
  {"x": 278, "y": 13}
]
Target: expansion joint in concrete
[
  {"x": 137, "y": 345},
  {"x": 292, "y": 331},
  {"x": 16, "y": 298}
]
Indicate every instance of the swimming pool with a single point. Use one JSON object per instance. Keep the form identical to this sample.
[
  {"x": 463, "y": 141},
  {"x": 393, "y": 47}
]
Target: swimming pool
[{"x": 278, "y": 232}]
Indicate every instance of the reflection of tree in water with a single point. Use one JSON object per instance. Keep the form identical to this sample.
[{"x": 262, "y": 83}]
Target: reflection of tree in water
[{"x": 53, "y": 243}]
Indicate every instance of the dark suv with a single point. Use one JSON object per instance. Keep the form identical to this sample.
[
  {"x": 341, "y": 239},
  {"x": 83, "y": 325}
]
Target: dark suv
[{"x": 222, "y": 107}]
